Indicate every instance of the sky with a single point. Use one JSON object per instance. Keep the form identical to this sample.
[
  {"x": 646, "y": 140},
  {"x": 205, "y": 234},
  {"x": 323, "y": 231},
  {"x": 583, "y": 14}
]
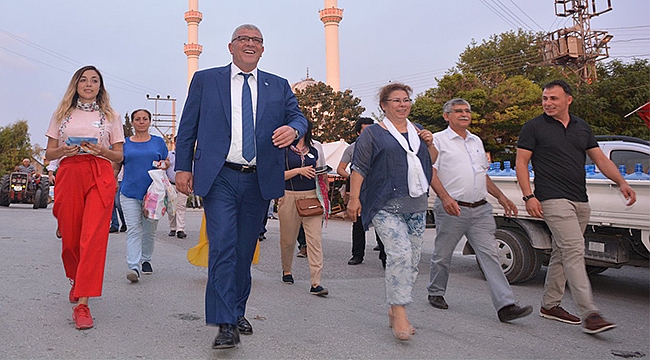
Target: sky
[{"x": 138, "y": 44}]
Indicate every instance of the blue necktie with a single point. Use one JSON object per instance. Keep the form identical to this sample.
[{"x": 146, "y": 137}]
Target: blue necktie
[{"x": 248, "y": 125}]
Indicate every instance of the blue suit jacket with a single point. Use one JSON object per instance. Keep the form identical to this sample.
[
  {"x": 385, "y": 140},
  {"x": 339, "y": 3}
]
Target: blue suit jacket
[{"x": 206, "y": 121}]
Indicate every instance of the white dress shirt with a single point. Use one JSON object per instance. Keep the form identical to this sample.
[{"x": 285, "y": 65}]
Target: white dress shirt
[
  {"x": 236, "y": 84},
  {"x": 462, "y": 165}
]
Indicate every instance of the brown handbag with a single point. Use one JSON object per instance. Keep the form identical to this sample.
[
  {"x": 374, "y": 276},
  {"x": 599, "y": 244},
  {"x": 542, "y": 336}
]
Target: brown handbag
[
  {"x": 309, "y": 207},
  {"x": 306, "y": 207}
]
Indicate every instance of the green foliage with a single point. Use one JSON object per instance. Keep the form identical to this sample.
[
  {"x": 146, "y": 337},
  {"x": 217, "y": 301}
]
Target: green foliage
[
  {"x": 332, "y": 113},
  {"x": 620, "y": 89},
  {"x": 128, "y": 127},
  {"x": 14, "y": 145},
  {"x": 506, "y": 55},
  {"x": 502, "y": 79}
]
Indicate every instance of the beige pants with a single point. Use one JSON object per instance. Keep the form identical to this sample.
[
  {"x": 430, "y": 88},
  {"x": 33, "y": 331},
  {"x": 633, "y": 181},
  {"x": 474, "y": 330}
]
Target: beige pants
[
  {"x": 290, "y": 226},
  {"x": 567, "y": 221}
]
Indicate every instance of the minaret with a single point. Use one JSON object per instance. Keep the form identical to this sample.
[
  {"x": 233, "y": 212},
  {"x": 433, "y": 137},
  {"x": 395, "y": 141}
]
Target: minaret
[
  {"x": 192, "y": 49},
  {"x": 331, "y": 16}
]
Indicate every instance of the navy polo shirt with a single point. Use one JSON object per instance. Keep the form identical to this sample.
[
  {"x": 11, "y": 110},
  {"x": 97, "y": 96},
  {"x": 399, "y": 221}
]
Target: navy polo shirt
[{"x": 559, "y": 155}]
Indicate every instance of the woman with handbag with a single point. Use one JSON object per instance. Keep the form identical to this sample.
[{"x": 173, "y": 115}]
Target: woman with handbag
[
  {"x": 142, "y": 152},
  {"x": 85, "y": 134},
  {"x": 304, "y": 202},
  {"x": 390, "y": 179}
]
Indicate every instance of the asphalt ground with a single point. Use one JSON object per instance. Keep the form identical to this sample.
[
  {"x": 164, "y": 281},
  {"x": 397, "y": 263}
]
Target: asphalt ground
[{"x": 161, "y": 317}]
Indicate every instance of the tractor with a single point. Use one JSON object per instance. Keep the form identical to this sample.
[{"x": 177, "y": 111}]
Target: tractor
[{"x": 22, "y": 188}]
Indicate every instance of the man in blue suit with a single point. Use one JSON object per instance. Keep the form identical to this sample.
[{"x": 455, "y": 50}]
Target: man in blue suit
[{"x": 235, "y": 122}]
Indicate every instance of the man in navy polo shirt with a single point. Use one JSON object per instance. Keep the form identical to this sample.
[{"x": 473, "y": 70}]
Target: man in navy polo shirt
[{"x": 557, "y": 143}]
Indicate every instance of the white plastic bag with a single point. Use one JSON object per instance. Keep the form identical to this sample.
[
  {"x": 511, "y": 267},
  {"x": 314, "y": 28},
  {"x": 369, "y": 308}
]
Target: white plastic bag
[{"x": 160, "y": 197}]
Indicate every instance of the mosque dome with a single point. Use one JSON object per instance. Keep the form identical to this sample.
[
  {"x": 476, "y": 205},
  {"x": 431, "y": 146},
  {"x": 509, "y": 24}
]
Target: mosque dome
[{"x": 303, "y": 84}]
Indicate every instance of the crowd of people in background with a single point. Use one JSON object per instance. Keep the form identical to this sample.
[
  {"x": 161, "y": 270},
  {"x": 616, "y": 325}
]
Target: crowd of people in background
[{"x": 239, "y": 121}]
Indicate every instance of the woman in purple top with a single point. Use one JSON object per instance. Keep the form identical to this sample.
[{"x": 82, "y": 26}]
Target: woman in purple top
[
  {"x": 142, "y": 152},
  {"x": 389, "y": 187}
]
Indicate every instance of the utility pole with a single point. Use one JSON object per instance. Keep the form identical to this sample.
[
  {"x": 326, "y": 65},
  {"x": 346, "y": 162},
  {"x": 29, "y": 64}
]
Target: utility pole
[
  {"x": 164, "y": 123},
  {"x": 577, "y": 47}
]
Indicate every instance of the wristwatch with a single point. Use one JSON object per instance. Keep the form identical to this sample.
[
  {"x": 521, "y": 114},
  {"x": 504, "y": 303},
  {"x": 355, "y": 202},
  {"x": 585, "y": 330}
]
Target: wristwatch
[
  {"x": 528, "y": 197},
  {"x": 297, "y": 134}
]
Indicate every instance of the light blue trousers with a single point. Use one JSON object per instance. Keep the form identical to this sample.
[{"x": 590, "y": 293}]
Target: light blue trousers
[
  {"x": 402, "y": 235},
  {"x": 140, "y": 233}
]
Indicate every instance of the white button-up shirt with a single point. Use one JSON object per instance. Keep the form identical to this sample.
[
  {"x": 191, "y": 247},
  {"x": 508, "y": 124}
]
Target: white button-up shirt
[
  {"x": 462, "y": 165},
  {"x": 236, "y": 84}
]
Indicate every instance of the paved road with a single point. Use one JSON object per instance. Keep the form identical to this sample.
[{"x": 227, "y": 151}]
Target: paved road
[{"x": 161, "y": 317}]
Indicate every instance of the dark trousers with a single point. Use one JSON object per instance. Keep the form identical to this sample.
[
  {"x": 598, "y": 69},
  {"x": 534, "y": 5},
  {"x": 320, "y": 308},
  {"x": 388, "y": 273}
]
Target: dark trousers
[
  {"x": 234, "y": 212},
  {"x": 302, "y": 241},
  {"x": 117, "y": 209},
  {"x": 359, "y": 241}
]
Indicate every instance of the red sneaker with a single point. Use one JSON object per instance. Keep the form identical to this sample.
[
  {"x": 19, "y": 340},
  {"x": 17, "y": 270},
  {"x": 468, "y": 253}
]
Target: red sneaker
[
  {"x": 73, "y": 299},
  {"x": 82, "y": 318}
]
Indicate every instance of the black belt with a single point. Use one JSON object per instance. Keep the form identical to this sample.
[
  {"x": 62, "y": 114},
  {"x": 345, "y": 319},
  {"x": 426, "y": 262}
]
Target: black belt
[
  {"x": 472, "y": 205},
  {"x": 240, "y": 167}
]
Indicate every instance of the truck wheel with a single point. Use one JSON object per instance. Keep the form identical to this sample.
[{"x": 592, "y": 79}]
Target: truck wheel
[
  {"x": 4, "y": 191},
  {"x": 593, "y": 270},
  {"x": 37, "y": 199},
  {"x": 518, "y": 259}
]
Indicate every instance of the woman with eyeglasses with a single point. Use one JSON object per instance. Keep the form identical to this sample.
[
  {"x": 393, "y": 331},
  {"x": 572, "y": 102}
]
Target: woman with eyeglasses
[
  {"x": 391, "y": 173},
  {"x": 302, "y": 182},
  {"x": 142, "y": 152},
  {"x": 85, "y": 134}
]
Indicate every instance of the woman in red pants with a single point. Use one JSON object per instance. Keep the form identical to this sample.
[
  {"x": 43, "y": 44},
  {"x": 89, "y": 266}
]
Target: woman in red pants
[{"x": 86, "y": 134}]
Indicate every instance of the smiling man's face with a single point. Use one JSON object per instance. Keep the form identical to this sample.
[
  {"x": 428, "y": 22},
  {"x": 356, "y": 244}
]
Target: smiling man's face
[{"x": 246, "y": 54}]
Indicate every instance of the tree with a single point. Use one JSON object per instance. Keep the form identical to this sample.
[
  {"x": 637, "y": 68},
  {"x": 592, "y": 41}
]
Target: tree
[
  {"x": 128, "y": 128},
  {"x": 502, "y": 79},
  {"x": 332, "y": 113},
  {"x": 620, "y": 89},
  {"x": 15, "y": 145},
  {"x": 506, "y": 55}
]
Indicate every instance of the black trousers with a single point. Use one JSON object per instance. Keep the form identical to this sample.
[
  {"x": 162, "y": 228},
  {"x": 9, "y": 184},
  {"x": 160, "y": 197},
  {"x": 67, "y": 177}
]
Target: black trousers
[{"x": 359, "y": 241}]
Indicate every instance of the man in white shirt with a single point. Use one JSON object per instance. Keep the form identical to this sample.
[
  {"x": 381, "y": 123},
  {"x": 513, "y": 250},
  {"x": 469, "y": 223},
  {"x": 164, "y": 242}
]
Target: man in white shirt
[{"x": 460, "y": 180}]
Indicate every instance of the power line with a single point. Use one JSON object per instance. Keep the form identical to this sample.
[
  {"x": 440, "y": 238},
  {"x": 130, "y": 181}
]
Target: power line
[
  {"x": 71, "y": 61},
  {"x": 511, "y": 14},
  {"x": 498, "y": 13},
  {"x": 531, "y": 19}
]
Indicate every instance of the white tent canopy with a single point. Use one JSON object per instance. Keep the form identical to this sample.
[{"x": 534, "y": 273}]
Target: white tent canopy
[{"x": 333, "y": 152}]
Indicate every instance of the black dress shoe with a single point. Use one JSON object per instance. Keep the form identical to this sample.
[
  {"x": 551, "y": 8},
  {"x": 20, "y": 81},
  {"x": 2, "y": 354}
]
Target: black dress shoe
[
  {"x": 181, "y": 234},
  {"x": 438, "y": 302},
  {"x": 514, "y": 311},
  {"x": 355, "y": 261},
  {"x": 245, "y": 328},
  {"x": 227, "y": 337}
]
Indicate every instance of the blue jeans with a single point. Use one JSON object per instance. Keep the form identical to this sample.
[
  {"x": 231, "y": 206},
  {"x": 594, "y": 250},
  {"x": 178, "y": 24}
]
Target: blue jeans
[
  {"x": 477, "y": 224},
  {"x": 402, "y": 235},
  {"x": 117, "y": 209},
  {"x": 140, "y": 233}
]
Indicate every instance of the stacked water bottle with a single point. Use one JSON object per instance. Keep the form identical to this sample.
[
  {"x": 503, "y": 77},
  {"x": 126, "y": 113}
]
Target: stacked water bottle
[
  {"x": 590, "y": 170},
  {"x": 636, "y": 175},
  {"x": 495, "y": 169}
]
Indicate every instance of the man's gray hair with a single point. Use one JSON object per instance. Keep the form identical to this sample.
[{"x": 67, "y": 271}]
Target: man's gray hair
[
  {"x": 245, "y": 27},
  {"x": 453, "y": 102}
]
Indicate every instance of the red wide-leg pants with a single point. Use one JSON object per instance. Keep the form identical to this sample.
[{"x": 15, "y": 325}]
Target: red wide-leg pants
[{"x": 85, "y": 189}]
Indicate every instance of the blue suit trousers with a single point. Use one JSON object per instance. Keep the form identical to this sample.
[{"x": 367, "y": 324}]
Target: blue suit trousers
[{"x": 234, "y": 211}]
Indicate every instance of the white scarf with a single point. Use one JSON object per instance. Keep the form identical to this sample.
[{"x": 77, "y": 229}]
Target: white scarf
[{"x": 417, "y": 181}]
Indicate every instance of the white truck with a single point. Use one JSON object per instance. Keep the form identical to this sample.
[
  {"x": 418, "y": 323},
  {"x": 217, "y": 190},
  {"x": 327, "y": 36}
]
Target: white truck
[{"x": 617, "y": 234}]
